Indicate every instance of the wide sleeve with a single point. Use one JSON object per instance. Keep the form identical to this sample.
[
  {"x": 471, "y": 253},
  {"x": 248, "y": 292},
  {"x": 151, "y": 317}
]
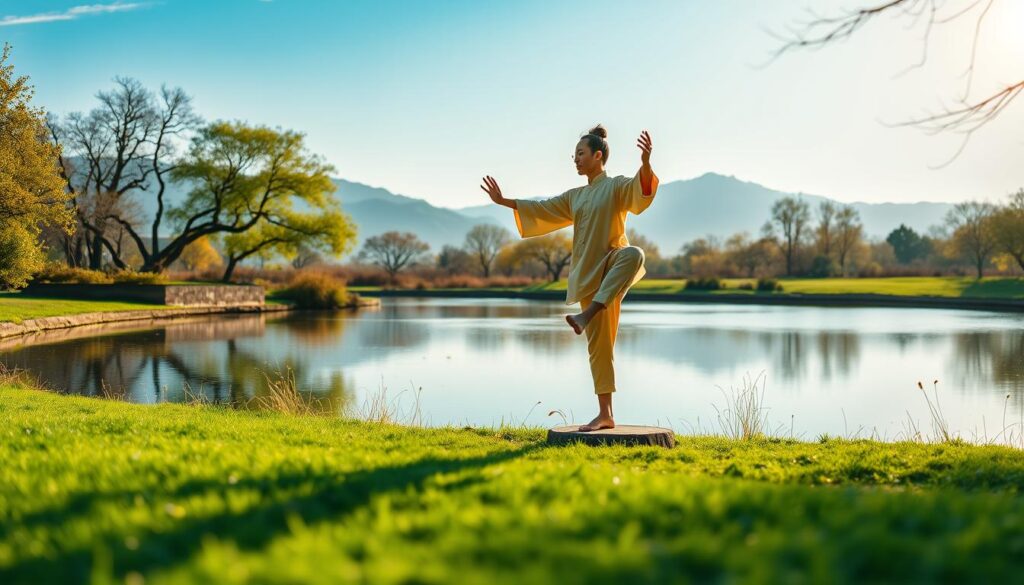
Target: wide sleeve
[
  {"x": 634, "y": 196},
  {"x": 536, "y": 218}
]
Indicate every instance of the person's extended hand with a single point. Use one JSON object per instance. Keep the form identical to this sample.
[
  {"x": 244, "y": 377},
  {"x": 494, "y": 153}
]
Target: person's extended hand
[
  {"x": 645, "y": 145},
  {"x": 492, "y": 189}
]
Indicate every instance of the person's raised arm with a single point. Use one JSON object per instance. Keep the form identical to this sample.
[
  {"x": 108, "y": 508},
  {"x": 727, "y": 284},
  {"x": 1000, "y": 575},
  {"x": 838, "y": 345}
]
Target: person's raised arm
[
  {"x": 491, "y": 187},
  {"x": 534, "y": 218},
  {"x": 636, "y": 193},
  {"x": 647, "y": 175}
]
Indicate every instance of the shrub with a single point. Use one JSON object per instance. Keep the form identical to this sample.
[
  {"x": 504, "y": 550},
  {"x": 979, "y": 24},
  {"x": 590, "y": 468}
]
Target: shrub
[
  {"x": 710, "y": 283},
  {"x": 746, "y": 286},
  {"x": 823, "y": 267},
  {"x": 132, "y": 277},
  {"x": 60, "y": 273},
  {"x": 768, "y": 285},
  {"x": 315, "y": 290}
]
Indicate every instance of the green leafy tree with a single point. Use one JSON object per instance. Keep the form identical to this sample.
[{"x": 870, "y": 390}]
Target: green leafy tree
[
  {"x": 249, "y": 177},
  {"x": 288, "y": 233},
  {"x": 32, "y": 193},
  {"x": 907, "y": 244}
]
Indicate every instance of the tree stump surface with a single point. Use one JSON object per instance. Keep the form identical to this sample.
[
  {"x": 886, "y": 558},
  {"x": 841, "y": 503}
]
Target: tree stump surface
[{"x": 620, "y": 435}]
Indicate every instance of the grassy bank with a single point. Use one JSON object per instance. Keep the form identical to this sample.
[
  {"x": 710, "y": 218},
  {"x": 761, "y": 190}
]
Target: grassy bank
[
  {"x": 15, "y": 307},
  {"x": 994, "y": 288},
  {"x": 928, "y": 286},
  {"x": 98, "y": 490}
]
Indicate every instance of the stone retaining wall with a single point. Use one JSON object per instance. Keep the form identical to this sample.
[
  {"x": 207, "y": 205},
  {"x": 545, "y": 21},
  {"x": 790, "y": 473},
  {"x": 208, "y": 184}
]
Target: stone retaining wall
[
  {"x": 66, "y": 321},
  {"x": 181, "y": 295}
]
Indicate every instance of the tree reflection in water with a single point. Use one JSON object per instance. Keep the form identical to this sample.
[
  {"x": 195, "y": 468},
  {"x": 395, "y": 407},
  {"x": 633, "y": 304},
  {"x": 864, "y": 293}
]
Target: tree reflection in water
[
  {"x": 716, "y": 350},
  {"x": 206, "y": 359},
  {"x": 990, "y": 355}
]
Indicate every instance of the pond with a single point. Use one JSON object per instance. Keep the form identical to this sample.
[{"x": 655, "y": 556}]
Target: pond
[{"x": 842, "y": 371}]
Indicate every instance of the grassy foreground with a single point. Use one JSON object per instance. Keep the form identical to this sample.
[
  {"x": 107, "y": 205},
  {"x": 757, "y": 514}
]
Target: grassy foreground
[{"x": 102, "y": 491}]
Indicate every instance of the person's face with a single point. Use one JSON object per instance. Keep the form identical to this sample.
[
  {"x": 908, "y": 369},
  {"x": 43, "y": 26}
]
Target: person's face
[{"x": 585, "y": 159}]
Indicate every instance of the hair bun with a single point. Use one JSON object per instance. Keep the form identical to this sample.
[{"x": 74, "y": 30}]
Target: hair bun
[{"x": 599, "y": 131}]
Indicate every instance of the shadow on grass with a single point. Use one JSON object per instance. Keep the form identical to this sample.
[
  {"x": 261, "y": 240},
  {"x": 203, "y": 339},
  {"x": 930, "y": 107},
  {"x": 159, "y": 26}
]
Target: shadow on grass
[
  {"x": 1003, "y": 288},
  {"x": 325, "y": 497}
]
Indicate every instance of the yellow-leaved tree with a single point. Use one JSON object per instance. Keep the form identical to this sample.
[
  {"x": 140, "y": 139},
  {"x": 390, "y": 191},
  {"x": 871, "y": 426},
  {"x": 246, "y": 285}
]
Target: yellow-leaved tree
[
  {"x": 261, "y": 192},
  {"x": 200, "y": 255},
  {"x": 32, "y": 193},
  {"x": 323, "y": 229}
]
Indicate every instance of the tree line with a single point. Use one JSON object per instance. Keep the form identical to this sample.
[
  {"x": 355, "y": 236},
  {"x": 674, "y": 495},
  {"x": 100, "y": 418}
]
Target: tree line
[{"x": 828, "y": 241}]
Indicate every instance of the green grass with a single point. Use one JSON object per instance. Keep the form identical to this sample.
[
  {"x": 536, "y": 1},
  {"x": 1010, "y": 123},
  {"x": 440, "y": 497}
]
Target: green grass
[
  {"x": 951, "y": 286},
  {"x": 16, "y": 307},
  {"x": 110, "y": 492}
]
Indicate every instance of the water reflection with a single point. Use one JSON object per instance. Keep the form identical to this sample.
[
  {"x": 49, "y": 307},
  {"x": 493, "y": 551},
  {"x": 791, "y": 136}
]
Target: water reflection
[
  {"x": 715, "y": 350},
  {"x": 997, "y": 357},
  {"x": 206, "y": 359},
  {"x": 481, "y": 361}
]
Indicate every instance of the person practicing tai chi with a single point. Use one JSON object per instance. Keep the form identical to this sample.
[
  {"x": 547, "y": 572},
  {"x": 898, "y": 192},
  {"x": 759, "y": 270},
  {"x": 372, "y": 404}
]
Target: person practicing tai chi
[{"x": 603, "y": 264}]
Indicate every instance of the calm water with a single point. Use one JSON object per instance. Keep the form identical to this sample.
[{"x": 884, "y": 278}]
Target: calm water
[{"x": 482, "y": 362}]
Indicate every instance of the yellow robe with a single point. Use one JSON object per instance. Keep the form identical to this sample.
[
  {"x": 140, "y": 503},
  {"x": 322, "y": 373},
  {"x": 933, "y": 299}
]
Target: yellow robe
[
  {"x": 603, "y": 265},
  {"x": 597, "y": 213}
]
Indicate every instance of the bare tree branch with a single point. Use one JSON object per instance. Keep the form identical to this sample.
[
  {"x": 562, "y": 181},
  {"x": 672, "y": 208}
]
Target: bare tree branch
[{"x": 965, "y": 118}]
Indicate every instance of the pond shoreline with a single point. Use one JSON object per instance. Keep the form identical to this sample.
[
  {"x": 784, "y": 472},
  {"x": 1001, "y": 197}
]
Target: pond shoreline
[
  {"x": 792, "y": 299},
  {"x": 29, "y": 326}
]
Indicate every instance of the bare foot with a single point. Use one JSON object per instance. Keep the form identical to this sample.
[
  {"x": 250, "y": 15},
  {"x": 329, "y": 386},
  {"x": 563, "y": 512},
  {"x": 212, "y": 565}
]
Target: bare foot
[
  {"x": 599, "y": 422},
  {"x": 577, "y": 322}
]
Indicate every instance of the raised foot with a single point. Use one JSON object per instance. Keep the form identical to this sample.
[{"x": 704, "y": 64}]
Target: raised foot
[
  {"x": 600, "y": 422},
  {"x": 577, "y": 324}
]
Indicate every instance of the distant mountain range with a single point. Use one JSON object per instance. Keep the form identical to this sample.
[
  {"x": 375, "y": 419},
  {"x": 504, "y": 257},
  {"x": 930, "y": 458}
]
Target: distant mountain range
[
  {"x": 723, "y": 205},
  {"x": 710, "y": 204}
]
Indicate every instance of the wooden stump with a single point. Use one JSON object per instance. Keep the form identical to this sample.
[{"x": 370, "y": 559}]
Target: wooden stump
[{"x": 620, "y": 435}]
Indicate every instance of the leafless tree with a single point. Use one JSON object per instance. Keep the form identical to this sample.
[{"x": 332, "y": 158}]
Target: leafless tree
[
  {"x": 826, "y": 226},
  {"x": 553, "y": 251},
  {"x": 1008, "y": 227},
  {"x": 790, "y": 216},
  {"x": 848, "y": 233},
  {"x": 123, "y": 149},
  {"x": 393, "y": 251},
  {"x": 483, "y": 242},
  {"x": 973, "y": 236},
  {"x": 306, "y": 256}
]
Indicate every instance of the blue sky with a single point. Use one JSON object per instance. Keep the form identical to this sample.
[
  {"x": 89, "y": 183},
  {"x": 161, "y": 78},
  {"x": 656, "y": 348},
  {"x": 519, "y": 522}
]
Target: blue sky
[{"x": 425, "y": 97}]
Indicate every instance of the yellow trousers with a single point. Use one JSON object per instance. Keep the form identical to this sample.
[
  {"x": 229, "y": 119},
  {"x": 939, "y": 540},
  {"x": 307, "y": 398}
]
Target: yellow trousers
[{"x": 621, "y": 267}]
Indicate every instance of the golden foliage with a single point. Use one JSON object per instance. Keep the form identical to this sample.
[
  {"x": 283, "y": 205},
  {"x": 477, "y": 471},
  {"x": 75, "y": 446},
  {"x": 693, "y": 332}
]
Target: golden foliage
[{"x": 32, "y": 192}]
